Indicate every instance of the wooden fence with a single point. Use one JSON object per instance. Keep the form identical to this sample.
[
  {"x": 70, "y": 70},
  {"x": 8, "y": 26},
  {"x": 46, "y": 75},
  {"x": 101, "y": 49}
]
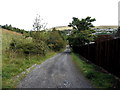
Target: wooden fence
[{"x": 105, "y": 54}]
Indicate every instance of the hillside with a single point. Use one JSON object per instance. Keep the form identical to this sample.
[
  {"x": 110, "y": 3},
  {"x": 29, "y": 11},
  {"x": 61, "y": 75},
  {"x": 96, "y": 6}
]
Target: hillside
[
  {"x": 8, "y": 62},
  {"x": 7, "y": 36},
  {"x": 61, "y": 28},
  {"x": 106, "y": 26},
  {"x": 15, "y": 62}
]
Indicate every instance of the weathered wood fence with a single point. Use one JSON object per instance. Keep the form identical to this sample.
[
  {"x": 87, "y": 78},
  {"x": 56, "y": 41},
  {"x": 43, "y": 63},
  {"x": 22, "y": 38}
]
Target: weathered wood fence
[{"x": 105, "y": 54}]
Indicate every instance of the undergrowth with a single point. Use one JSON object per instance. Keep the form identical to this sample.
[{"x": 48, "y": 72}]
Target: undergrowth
[{"x": 97, "y": 78}]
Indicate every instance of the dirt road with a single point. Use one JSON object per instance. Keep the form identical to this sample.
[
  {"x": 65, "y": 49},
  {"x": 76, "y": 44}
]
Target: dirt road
[{"x": 56, "y": 72}]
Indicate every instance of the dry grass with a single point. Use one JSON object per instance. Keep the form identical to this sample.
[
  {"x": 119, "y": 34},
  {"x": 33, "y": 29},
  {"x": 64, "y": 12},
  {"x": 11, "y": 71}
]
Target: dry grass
[
  {"x": 106, "y": 27},
  {"x": 7, "y": 36},
  {"x": 11, "y": 32},
  {"x": 61, "y": 28}
]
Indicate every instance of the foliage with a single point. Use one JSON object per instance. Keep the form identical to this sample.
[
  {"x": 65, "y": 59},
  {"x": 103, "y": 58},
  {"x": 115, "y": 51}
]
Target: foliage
[
  {"x": 41, "y": 42},
  {"x": 9, "y": 27},
  {"x": 96, "y": 77},
  {"x": 64, "y": 34},
  {"x": 7, "y": 37},
  {"x": 81, "y": 38},
  {"x": 83, "y": 24},
  {"x": 15, "y": 63},
  {"x": 82, "y": 33},
  {"x": 38, "y": 25},
  {"x": 55, "y": 41},
  {"x": 21, "y": 52},
  {"x": 36, "y": 46}
]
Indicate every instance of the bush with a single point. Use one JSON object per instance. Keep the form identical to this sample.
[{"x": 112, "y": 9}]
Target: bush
[
  {"x": 27, "y": 47},
  {"x": 55, "y": 41},
  {"x": 41, "y": 42}
]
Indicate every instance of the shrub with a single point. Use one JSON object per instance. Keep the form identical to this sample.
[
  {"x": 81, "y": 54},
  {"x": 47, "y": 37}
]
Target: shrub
[
  {"x": 27, "y": 47},
  {"x": 55, "y": 41}
]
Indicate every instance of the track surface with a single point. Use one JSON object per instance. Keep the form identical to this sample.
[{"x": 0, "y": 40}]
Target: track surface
[{"x": 56, "y": 72}]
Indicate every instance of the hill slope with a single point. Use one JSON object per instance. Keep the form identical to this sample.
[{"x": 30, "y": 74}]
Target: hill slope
[
  {"x": 14, "y": 63},
  {"x": 61, "y": 28},
  {"x": 106, "y": 26},
  {"x": 7, "y": 36}
]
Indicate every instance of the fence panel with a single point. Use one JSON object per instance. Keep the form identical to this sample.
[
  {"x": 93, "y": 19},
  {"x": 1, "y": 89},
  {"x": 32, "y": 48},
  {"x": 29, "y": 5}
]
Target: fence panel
[{"x": 105, "y": 54}]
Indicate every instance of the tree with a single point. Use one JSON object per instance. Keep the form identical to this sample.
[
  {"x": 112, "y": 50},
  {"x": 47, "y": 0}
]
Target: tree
[
  {"x": 82, "y": 32},
  {"x": 38, "y": 35},
  {"x": 81, "y": 38},
  {"x": 83, "y": 24},
  {"x": 38, "y": 25}
]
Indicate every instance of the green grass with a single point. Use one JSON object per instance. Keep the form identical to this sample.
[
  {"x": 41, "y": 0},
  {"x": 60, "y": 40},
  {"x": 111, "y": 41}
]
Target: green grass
[
  {"x": 13, "y": 66},
  {"x": 7, "y": 36},
  {"x": 104, "y": 33},
  {"x": 0, "y": 59},
  {"x": 98, "y": 79},
  {"x": 14, "y": 63}
]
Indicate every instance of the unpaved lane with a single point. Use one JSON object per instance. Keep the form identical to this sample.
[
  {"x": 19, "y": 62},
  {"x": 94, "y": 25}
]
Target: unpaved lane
[{"x": 56, "y": 72}]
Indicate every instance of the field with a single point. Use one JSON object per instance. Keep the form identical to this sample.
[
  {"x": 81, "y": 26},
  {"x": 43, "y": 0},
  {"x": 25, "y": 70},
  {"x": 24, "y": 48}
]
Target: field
[
  {"x": 14, "y": 63},
  {"x": 61, "y": 28},
  {"x": 106, "y": 27}
]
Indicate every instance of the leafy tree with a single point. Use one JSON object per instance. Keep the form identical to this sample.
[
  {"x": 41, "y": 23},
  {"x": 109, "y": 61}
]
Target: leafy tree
[
  {"x": 41, "y": 41},
  {"x": 83, "y": 24},
  {"x": 82, "y": 32},
  {"x": 81, "y": 38},
  {"x": 38, "y": 35}
]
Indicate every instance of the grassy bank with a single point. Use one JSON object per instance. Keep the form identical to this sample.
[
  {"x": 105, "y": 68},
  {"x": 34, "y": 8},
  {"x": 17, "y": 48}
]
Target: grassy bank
[
  {"x": 7, "y": 36},
  {"x": 14, "y": 63},
  {"x": 98, "y": 79},
  {"x": 13, "y": 66}
]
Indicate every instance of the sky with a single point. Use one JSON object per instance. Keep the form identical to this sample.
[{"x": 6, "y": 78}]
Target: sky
[{"x": 22, "y": 13}]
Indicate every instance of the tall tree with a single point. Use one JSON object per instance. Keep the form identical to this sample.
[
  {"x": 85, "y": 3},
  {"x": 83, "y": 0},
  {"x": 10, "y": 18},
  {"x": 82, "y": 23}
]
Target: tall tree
[
  {"x": 38, "y": 24},
  {"x": 82, "y": 32},
  {"x": 83, "y": 24},
  {"x": 39, "y": 36}
]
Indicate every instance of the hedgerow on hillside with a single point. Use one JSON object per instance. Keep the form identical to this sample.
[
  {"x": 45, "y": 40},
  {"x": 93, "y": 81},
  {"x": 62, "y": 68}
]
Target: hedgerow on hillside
[
  {"x": 41, "y": 43},
  {"x": 11, "y": 28},
  {"x": 22, "y": 51}
]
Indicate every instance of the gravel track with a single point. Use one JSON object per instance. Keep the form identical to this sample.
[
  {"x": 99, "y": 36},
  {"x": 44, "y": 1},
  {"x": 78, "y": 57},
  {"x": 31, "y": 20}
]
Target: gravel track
[{"x": 56, "y": 72}]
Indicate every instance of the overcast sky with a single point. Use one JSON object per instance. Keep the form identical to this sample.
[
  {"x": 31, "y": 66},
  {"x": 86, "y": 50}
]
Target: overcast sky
[{"x": 21, "y": 13}]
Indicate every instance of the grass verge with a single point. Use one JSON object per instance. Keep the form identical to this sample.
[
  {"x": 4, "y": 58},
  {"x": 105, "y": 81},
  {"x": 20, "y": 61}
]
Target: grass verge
[
  {"x": 97, "y": 78},
  {"x": 16, "y": 64}
]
